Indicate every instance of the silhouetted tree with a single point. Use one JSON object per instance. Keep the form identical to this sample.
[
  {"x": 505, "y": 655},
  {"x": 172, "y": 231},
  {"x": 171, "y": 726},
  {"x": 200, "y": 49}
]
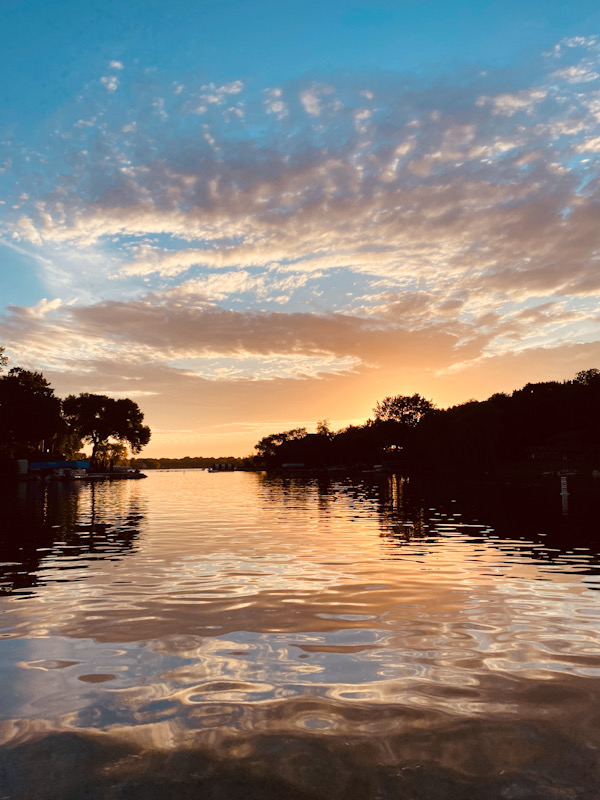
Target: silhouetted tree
[
  {"x": 403, "y": 408},
  {"x": 30, "y": 414},
  {"x": 323, "y": 428},
  {"x": 99, "y": 419},
  {"x": 110, "y": 453},
  {"x": 268, "y": 446},
  {"x": 587, "y": 377}
]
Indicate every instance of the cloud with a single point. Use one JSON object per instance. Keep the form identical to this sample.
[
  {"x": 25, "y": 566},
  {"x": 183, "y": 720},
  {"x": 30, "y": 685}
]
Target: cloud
[
  {"x": 23, "y": 228},
  {"x": 216, "y": 287},
  {"x": 274, "y": 103},
  {"x": 44, "y": 307},
  {"x": 312, "y": 98},
  {"x": 111, "y": 82},
  {"x": 482, "y": 202},
  {"x": 509, "y": 103},
  {"x": 591, "y": 145},
  {"x": 576, "y": 74},
  {"x": 213, "y": 95},
  {"x": 183, "y": 325}
]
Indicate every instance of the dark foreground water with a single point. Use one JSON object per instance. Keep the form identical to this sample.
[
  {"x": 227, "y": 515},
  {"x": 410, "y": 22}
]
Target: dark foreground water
[{"x": 215, "y": 636}]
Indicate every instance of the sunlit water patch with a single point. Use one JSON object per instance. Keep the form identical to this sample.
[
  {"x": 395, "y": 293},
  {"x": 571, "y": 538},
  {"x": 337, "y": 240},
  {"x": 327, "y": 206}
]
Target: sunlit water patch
[{"x": 240, "y": 636}]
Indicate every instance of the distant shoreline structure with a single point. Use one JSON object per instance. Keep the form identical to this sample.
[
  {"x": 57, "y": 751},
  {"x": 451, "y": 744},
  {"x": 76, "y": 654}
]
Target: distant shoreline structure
[{"x": 72, "y": 471}]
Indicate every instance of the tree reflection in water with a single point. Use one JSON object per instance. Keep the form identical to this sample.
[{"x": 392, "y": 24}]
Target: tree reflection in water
[
  {"x": 59, "y": 522},
  {"x": 423, "y": 509}
]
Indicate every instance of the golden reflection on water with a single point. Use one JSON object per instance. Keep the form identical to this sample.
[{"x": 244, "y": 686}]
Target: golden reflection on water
[{"x": 224, "y": 613}]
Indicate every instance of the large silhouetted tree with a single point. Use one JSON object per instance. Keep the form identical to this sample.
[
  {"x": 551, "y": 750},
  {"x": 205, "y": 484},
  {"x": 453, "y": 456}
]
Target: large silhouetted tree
[
  {"x": 98, "y": 419},
  {"x": 30, "y": 414}
]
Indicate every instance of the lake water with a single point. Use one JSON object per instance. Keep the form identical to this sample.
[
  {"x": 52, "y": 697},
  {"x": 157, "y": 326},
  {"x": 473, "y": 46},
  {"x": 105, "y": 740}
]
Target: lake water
[{"x": 197, "y": 635}]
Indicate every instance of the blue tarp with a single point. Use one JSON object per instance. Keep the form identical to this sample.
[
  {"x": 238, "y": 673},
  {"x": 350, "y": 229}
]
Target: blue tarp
[{"x": 59, "y": 465}]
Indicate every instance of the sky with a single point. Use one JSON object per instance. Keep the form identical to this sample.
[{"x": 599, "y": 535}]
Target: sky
[{"x": 251, "y": 216}]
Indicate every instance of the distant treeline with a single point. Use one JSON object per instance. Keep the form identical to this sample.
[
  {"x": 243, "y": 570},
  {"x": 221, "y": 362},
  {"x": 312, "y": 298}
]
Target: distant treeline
[
  {"x": 552, "y": 423},
  {"x": 193, "y": 462}
]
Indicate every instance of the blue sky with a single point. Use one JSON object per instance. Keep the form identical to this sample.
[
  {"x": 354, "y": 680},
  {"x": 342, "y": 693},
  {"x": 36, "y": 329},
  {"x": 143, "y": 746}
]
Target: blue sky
[
  {"x": 49, "y": 51},
  {"x": 262, "y": 214}
]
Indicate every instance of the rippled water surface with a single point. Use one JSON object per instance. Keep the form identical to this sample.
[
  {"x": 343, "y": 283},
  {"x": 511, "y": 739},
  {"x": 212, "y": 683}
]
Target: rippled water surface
[{"x": 234, "y": 636}]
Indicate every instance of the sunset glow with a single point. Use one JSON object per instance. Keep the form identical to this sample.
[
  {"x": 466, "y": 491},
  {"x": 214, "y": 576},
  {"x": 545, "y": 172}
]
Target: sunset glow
[{"x": 247, "y": 219}]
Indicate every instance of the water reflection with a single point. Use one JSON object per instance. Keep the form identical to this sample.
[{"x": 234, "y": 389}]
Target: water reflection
[
  {"x": 53, "y": 527},
  {"x": 242, "y": 635},
  {"x": 523, "y": 520}
]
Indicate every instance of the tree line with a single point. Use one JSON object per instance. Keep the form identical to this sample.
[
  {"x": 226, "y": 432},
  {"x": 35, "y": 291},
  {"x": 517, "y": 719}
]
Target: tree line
[
  {"x": 193, "y": 462},
  {"x": 37, "y": 425},
  {"x": 551, "y": 422}
]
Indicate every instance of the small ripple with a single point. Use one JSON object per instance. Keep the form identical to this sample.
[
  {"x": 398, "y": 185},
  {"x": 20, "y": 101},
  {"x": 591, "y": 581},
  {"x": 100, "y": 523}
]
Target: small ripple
[{"x": 96, "y": 677}]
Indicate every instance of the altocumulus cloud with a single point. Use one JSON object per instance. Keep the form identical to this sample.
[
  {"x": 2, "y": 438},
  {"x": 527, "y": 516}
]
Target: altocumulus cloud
[{"x": 322, "y": 226}]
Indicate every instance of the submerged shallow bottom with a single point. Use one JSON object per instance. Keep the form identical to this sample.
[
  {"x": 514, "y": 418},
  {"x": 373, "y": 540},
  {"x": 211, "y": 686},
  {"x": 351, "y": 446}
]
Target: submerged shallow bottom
[{"x": 434, "y": 758}]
